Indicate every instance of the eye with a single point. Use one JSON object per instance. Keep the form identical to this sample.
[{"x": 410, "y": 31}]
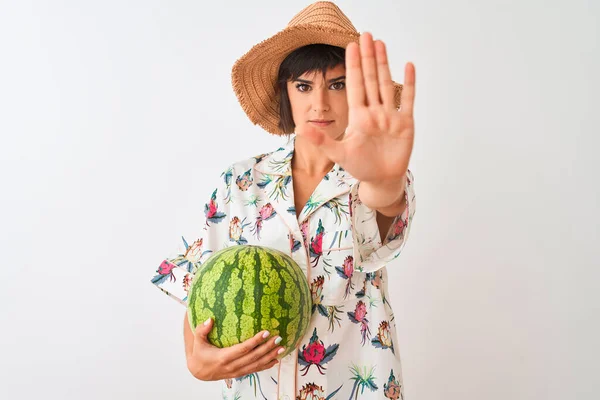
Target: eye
[
  {"x": 302, "y": 87},
  {"x": 338, "y": 85}
]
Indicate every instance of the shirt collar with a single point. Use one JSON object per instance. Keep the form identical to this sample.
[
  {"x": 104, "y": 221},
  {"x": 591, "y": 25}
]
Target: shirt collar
[{"x": 278, "y": 164}]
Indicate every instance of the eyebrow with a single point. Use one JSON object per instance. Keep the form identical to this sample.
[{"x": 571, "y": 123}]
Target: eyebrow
[{"x": 330, "y": 81}]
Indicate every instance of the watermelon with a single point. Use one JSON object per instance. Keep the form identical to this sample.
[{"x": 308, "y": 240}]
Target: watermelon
[{"x": 246, "y": 289}]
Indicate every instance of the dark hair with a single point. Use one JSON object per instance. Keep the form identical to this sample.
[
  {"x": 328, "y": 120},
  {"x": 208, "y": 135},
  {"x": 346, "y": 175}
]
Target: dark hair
[{"x": 313, "y": 57}]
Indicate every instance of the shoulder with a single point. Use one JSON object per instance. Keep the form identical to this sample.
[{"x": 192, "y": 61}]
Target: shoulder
[{"x": 246, "y": 165}]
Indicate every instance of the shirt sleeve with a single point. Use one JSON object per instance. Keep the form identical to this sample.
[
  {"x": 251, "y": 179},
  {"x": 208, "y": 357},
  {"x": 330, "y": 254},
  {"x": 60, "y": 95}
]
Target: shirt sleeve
[
  {"x": 174, "y": 274},
  {"x": 370, "y": 253}
]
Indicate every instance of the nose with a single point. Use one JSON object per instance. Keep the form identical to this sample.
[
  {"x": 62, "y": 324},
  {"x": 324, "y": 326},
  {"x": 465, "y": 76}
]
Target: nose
[{"x": 320, "y": 100}]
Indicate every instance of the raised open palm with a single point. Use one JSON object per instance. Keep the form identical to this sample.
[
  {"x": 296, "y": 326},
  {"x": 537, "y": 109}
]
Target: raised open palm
[{"x": 378, "y": 142}]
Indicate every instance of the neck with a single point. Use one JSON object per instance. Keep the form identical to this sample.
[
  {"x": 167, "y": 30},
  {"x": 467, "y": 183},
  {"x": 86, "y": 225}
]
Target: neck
[{"x": 309, "y": 159}]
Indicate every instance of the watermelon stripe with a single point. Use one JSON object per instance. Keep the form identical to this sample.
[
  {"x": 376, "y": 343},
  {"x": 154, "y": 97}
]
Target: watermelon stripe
[
  {"x": 297, "y": 277},
  {"x": 285, "y": 300},
  {"x": 245, "y": 300},
  {"x": 280, "y": 309},
  {"x": 219, "y": 275},
  {"x": 288, "y": 302},
  {"x": 270, "y": 278},
  {"x": 306, "y": 307},
  {"x": 238, "y": 298},
  {"x": 258, "y": 294},
  {"x": 289, "y": 298},
  {"x": 229, "y": 315}
]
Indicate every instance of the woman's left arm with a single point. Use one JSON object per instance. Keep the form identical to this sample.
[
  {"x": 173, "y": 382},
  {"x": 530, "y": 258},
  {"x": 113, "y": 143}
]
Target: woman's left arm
[
  {"x": 376, "y": 150},
  {"x": 379, "y": 238},
  {"x": 390, "y": 202},
  {"x": 379, "y": 138}
]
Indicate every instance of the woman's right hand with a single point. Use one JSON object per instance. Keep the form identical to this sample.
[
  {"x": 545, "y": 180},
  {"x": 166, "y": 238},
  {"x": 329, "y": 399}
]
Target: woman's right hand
[{"x": 210, "y": 363}]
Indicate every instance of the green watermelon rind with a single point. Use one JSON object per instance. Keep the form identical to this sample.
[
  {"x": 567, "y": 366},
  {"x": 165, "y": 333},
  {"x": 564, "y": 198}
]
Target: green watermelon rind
[{"x": 231, "y": 327}]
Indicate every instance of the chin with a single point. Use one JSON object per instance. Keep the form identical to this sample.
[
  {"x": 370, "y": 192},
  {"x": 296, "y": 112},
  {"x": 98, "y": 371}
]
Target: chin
[{"x": 331, "y": 131}]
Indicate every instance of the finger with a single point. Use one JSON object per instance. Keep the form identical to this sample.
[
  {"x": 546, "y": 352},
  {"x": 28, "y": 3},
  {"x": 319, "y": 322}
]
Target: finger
[
  {"x": 369, "y": 69},
  {"x": 386, "y": 85},
  {"x": 239, "y": 350},
  {"x": 263, "y": 354},
  {"x": 355, "y": 87},
  {"x": 408, "y": 91},
  {"x": 201, "y": 333},
  {"x": 266, "y": 361},
  {"x": 333, "y": 149},
  {"x": 252, "y": 369}
]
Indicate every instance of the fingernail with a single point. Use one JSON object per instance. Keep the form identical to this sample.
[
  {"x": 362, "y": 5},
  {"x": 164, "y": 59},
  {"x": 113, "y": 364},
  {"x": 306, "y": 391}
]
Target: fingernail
[
  {"x": 266, "y": 334},
  {"x": 280, "y": 351},
  {"x": 278, "y": 340},
  {"x": 207, "y": 322}
]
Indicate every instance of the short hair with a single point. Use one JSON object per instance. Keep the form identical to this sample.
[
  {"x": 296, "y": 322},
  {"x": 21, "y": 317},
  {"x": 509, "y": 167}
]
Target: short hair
[{"x": 313, "y": 57}]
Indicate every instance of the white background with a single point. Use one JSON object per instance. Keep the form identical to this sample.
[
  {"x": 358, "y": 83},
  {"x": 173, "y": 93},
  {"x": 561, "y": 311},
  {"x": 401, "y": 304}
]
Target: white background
[{"x": 116, "y": 117}]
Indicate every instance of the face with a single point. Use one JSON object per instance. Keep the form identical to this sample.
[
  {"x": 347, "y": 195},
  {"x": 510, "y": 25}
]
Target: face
[{"x": 320, "y": 102}]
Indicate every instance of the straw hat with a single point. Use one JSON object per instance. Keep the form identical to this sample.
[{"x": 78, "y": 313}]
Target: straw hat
[{"x": 254, "y": 75}]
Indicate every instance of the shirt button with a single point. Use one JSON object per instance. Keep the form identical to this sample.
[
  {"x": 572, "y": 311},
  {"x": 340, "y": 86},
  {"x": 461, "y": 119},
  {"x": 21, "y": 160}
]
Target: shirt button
[{"x": 286, "y": 397}]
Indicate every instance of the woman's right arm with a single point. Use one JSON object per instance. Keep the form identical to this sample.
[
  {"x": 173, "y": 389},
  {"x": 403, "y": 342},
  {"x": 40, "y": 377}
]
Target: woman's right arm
[
  {"x": 204, "y": 360},
  {"x": 207, "y": 233},
  {"x": 210, "y": 363}
]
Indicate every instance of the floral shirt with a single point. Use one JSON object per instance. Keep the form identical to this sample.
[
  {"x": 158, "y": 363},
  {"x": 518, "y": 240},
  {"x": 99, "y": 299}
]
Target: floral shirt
[{"x": 350, "y": 350}]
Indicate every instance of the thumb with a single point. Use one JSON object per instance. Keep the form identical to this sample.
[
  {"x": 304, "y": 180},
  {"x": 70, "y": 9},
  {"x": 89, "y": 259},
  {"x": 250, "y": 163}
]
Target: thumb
[
  {"x": 202, "y": 331},
  {"x": 334, "y": 149}
]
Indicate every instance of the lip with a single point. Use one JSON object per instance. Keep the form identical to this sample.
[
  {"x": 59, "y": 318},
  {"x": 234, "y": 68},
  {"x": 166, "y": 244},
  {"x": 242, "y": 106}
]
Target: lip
[{"x": 321, "y": 122}]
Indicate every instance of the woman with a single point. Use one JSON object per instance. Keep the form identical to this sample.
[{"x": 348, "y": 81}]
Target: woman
[{"x": 338, "y": 198}]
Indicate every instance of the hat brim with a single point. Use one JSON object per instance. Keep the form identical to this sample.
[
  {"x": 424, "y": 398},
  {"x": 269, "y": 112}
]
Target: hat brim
[{"x": 254, "y": 75}]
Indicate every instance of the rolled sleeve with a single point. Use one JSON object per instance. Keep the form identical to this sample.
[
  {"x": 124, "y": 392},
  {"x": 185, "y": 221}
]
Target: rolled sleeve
[
  {"x": 175, "y": 273},
  {"x": 369, "y": 250}
]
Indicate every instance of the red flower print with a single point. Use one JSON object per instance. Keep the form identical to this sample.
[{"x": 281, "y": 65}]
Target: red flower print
[
  {"x": 166, "y": 268},
  {"x": 211, "y": 210},
  {"x": 315, "y": 353},
  {"x": 316, "y": 244},
  {"x": 349, "y": 266},
  {"x": 359, "y": 316},
  {"x": 265, "y": 213},
  {"x": 346, "y": 271},
  {"x": 360, "y": 312}
]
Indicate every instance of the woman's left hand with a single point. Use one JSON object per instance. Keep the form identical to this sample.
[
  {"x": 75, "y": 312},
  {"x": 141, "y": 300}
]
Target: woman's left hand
[{"x": 378, "y": 141}]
